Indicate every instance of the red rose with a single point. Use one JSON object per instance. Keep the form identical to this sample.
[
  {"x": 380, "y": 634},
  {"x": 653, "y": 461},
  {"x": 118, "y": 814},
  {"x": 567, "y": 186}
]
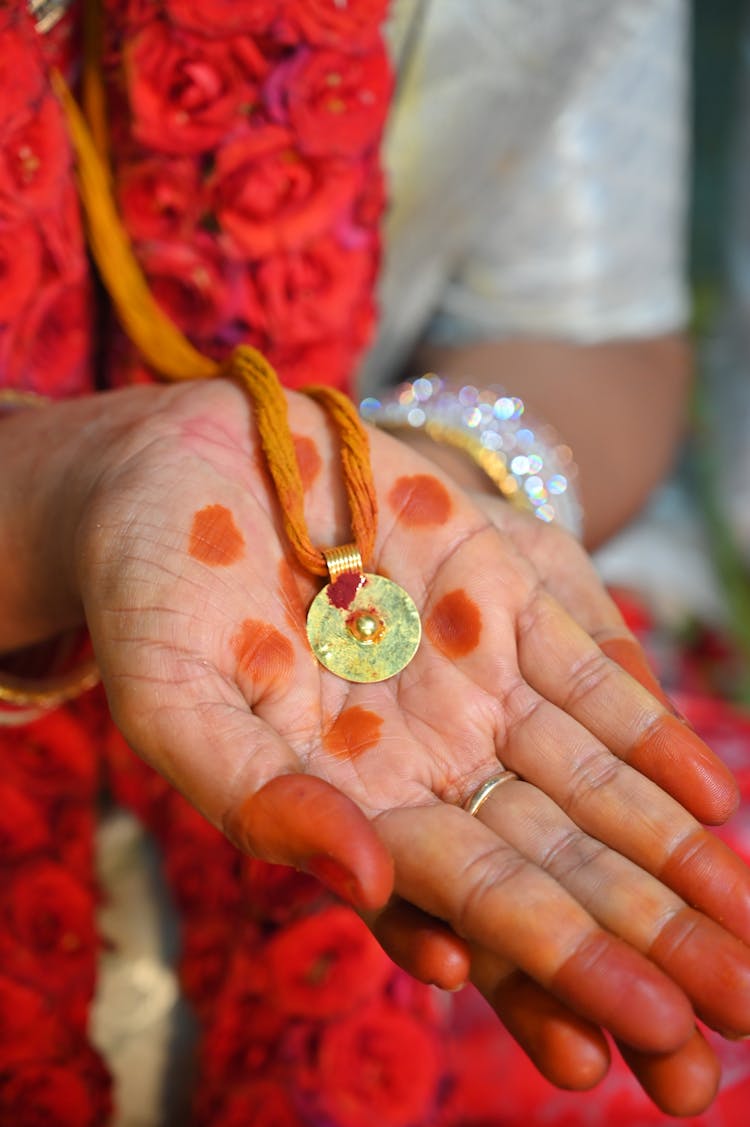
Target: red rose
[
  {"x": 482, "y": 1077},
  {"x": 48, "y": 936},
  {"x": 206, "y": 946},
  {"x": 204, "y": 881},
  {"x": 242, "y": 1037},
  {"x": 336, "y": 104},
  {"x": 29, "y": 1030},
  {"x": 331, "y": 364},
  {"x": 194, "y": 287},
  {"x": 270, "y": 198},
  {"x": 159, "y": 199},
  {"x": 223, "y": 17},
  {"x": 34, "y": 161},
  {"x": 136, "y": 785},
  {"x": 277, "y": 892},
  {"x": 20, "y": 268},
  {"x": 21, "y": 73},
  {"x": 38, "y": 1095},
  {"x": 64, "y": 240},
  {"x": 73, "y": 830},
  {"x": 187, "y": 91},
  {"x": 262, "y": 1103},
  {"x": 379, "y": 1066},
  {"x": 311, "y": 294},
  {"x": 353, "y": 26},
  {"x": 50, "y": 347},
  {"x": 23, "y": 827},
  {"x": 51, "y": 759},
  {"x": 325, "y": 964}
]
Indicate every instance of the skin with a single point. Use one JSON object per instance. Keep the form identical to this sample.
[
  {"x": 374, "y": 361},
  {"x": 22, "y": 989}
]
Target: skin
[{"x": 95, "y": 540}]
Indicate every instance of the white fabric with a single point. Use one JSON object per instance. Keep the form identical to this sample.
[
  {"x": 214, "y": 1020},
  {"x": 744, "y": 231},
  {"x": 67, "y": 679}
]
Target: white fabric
[{"x": 537, "y": 157}]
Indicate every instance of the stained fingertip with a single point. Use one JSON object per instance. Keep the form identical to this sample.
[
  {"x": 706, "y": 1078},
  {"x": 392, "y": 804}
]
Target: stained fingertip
[
  {"x": 705, "y": 872},
  {"x": 682, "y": 1083},
  {"x": 424, "y": 947},
  {"x": 677, "y": 760},
  {"x": 568, "y": 1051},
  {"x": 711, "y": 966},
  {"x": 609, "y": 983},
  {"x": 629, "y": 655},
  {"x": 305, "y": 822}
]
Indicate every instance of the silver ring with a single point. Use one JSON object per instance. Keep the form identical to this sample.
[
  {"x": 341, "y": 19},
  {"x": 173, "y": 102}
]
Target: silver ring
[{"x": 481, "y": 794}]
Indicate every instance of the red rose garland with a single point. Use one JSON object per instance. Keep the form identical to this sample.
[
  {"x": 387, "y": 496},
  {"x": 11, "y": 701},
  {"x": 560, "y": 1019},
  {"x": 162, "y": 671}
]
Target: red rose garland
[{"x": 245, "y": 139}]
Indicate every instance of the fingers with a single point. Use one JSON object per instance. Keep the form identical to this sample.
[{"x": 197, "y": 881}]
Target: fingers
[
  {"x": 710, "y": 965},
  {"x": 682, "y": 1083},
  {"x": 569, "y": 1051},
  {"x": 453, "y": 867},
  {"x": 246, "y": 779},
  {"x": 563, "y": 664},
  {"x": 423, "y": 946},
  {"x": 623, "y": 809},
  {"x": 305, "y": 822}
]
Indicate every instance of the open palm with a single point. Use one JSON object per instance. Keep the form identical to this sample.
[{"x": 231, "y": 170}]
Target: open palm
[{"x": 580, "y": 875}]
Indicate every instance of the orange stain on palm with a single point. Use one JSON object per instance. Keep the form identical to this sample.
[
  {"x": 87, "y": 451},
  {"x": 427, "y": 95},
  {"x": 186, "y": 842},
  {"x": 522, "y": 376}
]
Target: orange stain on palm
[
  {"x": 455, "y": 625},
  {"x": 355, "y": 730},
  {"x": 263, "y": 653},
  {"x": 420, "y": 500},
  {"x": 215, "y": 539},
  {"x": 308, "y": 459}
]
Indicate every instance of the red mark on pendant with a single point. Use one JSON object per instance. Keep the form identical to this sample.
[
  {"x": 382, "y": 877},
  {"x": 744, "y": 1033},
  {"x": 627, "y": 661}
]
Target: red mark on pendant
[
  {"x": 263, "y": 653},
  {"x": 455, "y": 625},
  {"x": 308, "y": 459},
  {"x": 342, "y": 591},
  {"x": 352, "y": 732},
  {"x": 420, "y": 500},
  {"x": 214, "y": 537}
]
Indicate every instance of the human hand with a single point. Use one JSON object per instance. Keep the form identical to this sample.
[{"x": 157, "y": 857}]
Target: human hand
[{"x": 210, "y": 679}]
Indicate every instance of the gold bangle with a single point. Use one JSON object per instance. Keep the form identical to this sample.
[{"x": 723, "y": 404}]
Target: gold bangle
[{"x": 25, "y": 699}]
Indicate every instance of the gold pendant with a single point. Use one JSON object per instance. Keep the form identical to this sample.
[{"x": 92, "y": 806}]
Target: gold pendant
[{"x": 361, "y": 626}]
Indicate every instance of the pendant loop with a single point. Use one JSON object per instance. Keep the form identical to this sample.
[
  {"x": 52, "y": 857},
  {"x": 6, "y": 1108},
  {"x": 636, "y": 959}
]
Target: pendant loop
[{"x": 343, "y": 559}]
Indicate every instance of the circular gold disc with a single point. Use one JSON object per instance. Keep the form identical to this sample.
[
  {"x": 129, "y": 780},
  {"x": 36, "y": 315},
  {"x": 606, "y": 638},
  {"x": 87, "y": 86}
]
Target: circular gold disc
[{"x": 363, "y": 631}]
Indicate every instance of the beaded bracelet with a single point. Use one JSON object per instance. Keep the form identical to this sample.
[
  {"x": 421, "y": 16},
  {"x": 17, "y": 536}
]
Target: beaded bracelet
[{"x": 524, "y": 459}]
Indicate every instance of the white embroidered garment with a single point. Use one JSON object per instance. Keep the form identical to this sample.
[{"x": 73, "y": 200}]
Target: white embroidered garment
[{"x": 537, "y": 155}]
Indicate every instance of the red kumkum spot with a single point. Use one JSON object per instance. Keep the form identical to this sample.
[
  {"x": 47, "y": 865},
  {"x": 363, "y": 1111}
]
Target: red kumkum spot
[
  {"x": 352, "y": 732},
  {"x": 308, "y": 459},
  {"x": 342, "y": 591},
  {"x": 455, "y": 624},
  {"x": 214, "y": 537},
  {"x": 420, "y": 500},
  {"x": 263, "y": 653}
]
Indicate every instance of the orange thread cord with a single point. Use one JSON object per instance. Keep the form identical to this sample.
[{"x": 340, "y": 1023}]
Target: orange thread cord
[{"x": 173, "y": 357}]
